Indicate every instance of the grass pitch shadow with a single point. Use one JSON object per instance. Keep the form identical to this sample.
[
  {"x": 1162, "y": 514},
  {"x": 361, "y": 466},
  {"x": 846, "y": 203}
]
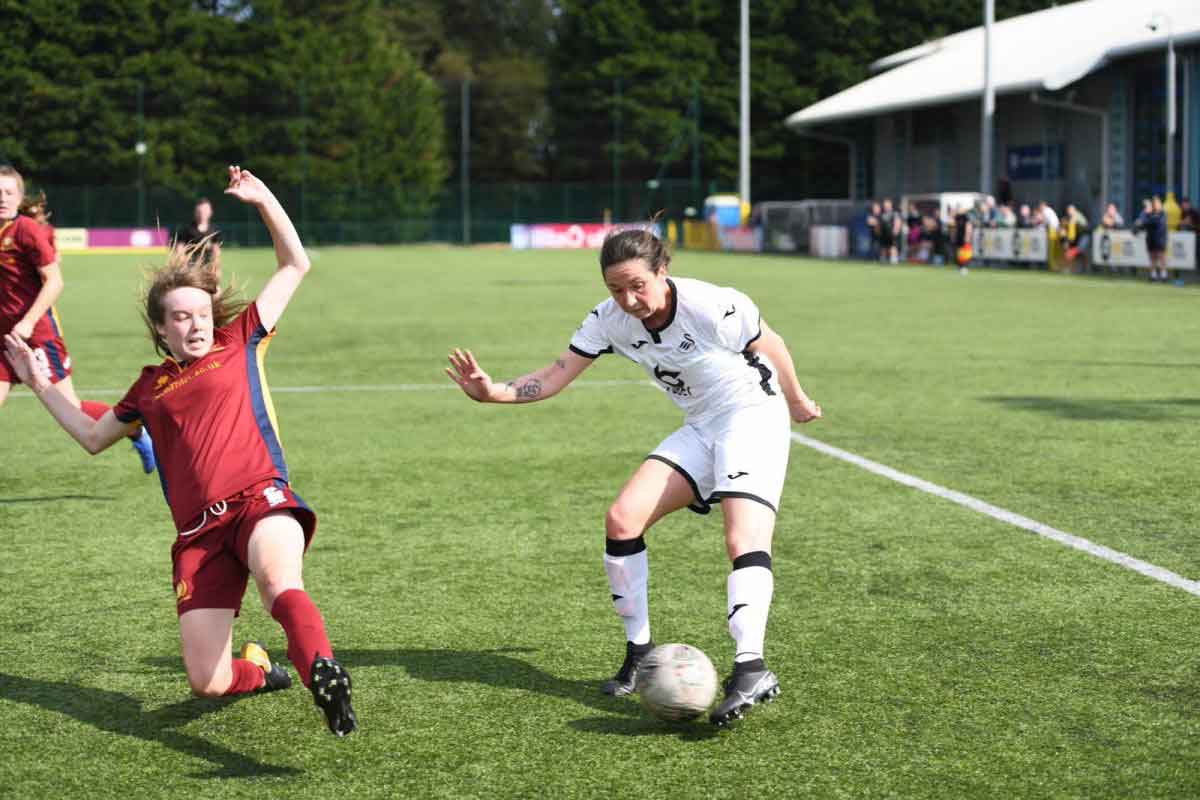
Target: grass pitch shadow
[
  {"x": 118, "y": 713},
  {"x": 1099, "y": 409},
  {"x": 54, "y": 498},
  {"x": 502, "y": 669}
]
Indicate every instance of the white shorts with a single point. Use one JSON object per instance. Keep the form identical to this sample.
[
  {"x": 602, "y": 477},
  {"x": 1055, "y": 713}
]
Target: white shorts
[{"x": 741, "y": 453}]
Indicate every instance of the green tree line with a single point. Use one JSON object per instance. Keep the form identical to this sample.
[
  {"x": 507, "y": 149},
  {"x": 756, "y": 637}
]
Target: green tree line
[{"x": 348, "y": 94}]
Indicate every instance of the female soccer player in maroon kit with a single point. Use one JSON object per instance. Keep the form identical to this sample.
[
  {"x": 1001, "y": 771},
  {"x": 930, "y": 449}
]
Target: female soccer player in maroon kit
[
  {"x": 30, "y": 283},
  {"x": 224, "y": 477}
]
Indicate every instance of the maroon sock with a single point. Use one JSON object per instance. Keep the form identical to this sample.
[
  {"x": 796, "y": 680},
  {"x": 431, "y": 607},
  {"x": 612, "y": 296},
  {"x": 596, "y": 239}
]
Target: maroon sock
[
  {"x": 305, "y": 630},
  {"x": 247, "y": 677}
]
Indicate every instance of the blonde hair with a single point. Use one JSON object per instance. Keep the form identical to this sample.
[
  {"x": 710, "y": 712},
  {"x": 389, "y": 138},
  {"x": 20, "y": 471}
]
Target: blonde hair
[
  {"x": 10, "y": 172},
  {"x": 33, "y": 206},
  {"x": 187, "y": 266}
]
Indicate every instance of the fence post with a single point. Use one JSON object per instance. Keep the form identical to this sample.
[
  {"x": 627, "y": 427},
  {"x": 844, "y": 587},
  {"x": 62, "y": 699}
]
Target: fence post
[
  {"x": 616, "y": 150},
  {"x": 465, "y": 157}
]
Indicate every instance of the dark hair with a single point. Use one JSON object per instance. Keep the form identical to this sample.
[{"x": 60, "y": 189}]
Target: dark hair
[
  {"x": 630, "y": 243},
  {"x": 203, "y": 201},
  {"x": 187, "y": 266}
]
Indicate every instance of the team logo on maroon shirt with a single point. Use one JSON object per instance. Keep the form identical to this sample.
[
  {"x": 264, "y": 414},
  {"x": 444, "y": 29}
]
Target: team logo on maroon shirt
[{"x": 183, "y": 592}]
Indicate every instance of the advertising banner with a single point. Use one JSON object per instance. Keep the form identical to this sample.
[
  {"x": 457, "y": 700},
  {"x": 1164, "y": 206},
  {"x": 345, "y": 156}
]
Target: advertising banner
[
  {"x": 1112, "y": 248},
  {"x": 70, "y": 239},
  {"x": 742, "y": 238},
  {"x": 558, "y": 236},
  {"x": 828, "y": 241},
  {"x": 1026, "y": 245},
  {"x": 123, "y": 238}
]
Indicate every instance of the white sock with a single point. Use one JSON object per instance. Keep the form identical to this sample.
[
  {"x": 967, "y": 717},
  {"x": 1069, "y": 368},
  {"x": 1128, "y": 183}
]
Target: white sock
[
  {"x": 628, "y": 578},
  {"x": 750, "y": 587}
]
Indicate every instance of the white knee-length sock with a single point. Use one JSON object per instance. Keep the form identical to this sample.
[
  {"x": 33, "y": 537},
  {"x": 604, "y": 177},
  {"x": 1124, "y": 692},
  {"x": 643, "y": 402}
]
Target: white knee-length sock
[
  {"x": 749, "y": 587},
  {"x": 628, "y": 572}
]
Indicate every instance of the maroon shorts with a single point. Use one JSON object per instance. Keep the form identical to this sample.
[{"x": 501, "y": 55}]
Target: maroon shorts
[
  {"x": 50, "y": 349},
  {"x": 211, "y": 556}
]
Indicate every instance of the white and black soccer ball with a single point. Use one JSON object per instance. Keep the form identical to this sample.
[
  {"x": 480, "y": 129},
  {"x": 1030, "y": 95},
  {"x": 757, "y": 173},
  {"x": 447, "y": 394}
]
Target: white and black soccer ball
[{"x": 676, "y": 682}]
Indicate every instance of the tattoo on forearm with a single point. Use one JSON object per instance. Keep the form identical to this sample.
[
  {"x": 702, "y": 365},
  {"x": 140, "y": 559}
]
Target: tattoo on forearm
[
  {"x": 561, "y": 364},
  {"x": 529, "y": 390}
]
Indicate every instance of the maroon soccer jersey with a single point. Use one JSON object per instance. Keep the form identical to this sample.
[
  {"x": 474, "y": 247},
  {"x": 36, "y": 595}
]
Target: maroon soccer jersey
[
  {"x": 211, "y": 419},
  {"x": 25, "y": 246}
]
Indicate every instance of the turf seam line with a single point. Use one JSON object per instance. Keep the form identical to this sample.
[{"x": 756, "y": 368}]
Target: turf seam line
[{"x": 975, "y": 504}]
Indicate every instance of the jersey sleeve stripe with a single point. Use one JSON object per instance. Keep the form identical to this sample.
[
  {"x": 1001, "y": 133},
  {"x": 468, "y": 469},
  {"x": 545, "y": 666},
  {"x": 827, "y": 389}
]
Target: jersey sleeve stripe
[
  {"x": 756, "y": 336},
  {"x": 586, "y": 354},
  {"x": 260, "y": 397}
]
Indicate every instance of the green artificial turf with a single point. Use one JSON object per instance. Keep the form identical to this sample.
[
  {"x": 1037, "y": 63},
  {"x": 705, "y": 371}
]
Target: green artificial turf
[{"x": 924, "y": 650}]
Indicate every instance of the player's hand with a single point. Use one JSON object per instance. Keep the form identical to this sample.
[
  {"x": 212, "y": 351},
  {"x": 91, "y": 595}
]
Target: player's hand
[
  {"x": 466, "y": 372},
  {"x": 33, "y": 372},
  {"x": 23, "y": 329},
  {"x": 805, "y": 410},
  {"x": 246, "y": 187}
]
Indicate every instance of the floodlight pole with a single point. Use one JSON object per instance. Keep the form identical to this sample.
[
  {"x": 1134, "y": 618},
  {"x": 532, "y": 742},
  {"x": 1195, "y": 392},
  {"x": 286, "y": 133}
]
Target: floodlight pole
[
  {"x": 1170, "y": 106},
  {"x": 744, "y": 113},
  {"x": 989, "y": 101},
  {"x": 140, "y": 149},
  {"x": 464, "y": 155}
]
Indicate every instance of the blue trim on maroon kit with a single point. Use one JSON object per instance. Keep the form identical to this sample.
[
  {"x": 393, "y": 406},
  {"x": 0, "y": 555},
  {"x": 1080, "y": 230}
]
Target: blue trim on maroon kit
[{"x": 262, "y": 416}]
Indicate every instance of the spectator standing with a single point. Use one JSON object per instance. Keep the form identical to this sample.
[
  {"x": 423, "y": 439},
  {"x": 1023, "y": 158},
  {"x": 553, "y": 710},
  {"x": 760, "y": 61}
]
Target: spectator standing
[
  {"x": 1049, "y": 216},
  {"x": 1155, "y": 225},
  {"x": 202, "y": 228},
  {"x": 964, "y": 232},
  {"x": 1073, "y": 230},
  {"x": 889, "y": 232}
]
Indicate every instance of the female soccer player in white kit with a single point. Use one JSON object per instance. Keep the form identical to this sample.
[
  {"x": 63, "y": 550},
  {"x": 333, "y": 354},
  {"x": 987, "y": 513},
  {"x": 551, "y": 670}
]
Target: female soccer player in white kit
[{"x": 708, "y": 348}]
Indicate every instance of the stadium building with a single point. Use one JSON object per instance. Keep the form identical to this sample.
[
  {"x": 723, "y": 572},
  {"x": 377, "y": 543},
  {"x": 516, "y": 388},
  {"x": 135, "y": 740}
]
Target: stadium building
[{"x": 1081, "y": 108}]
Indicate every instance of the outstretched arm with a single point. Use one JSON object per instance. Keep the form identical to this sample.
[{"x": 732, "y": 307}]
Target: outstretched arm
[
  {"x": 771, "y": 344},
  {"x": 92, "y": 435},
  {"x": 540, "y": 385},
  {"x": 292, "y": 262}
]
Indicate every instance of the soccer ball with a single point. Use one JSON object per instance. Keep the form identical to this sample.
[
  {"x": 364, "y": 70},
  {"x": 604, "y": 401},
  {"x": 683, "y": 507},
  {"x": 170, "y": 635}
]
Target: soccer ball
[{"x": 676, "y": 682}]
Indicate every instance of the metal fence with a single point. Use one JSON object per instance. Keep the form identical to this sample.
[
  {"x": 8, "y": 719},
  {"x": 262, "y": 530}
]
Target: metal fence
[{"x": 363, "y": 214}]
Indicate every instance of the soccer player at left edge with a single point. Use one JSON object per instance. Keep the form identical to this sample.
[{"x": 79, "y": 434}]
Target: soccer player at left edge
[
  {"x": 31, "y": 282},
  {"x": 225, "y": 480}
]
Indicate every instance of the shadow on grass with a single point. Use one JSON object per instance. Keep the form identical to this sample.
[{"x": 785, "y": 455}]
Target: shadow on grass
[
  {"x": 1098, "y": 409},
  {"x": 490, "y": 668},
  {"x": 692, "y": 731},
  {"x": 53, "y": 498},
  {"x": 113, "y": 712}
]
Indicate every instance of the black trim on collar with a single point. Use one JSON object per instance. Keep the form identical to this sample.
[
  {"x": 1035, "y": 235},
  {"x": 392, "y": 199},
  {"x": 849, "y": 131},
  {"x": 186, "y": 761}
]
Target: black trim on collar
[{"x": 654, "y": 332}]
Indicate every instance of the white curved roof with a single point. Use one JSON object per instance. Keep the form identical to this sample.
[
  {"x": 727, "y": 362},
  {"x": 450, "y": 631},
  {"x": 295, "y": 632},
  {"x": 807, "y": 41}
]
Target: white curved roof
[{"x": 1045, "y": 50}]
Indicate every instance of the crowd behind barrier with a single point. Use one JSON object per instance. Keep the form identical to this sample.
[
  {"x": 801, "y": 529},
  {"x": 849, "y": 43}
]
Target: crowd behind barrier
[{"x": 1160, "y": 239}]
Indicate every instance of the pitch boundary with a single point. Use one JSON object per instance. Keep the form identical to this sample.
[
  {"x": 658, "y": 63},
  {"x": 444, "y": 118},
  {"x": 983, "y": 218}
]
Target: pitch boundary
[{"x": 975, "y": 504}]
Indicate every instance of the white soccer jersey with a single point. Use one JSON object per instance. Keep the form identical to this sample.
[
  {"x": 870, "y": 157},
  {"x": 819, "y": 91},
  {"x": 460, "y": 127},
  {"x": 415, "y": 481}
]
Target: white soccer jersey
[{"x": 698, "y": 356}]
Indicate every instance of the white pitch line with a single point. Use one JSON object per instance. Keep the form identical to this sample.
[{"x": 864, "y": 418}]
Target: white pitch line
[
  {"x": 370, "y": 387},
  {"x": 975, "y": 504}
]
